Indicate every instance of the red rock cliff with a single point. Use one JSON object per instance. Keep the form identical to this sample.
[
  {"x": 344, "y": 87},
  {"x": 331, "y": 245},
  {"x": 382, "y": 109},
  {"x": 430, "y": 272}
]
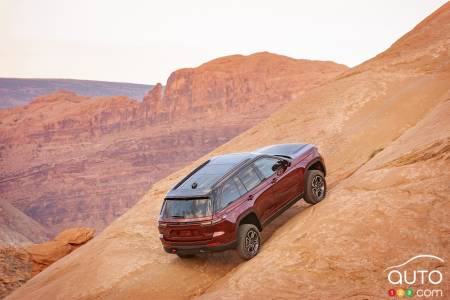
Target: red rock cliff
[{"x": 68, "y": 160}]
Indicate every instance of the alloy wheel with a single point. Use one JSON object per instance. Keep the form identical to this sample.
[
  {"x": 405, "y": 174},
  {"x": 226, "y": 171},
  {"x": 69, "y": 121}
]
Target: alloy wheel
[
  {"x": 318, "y": 187},
  {"x": 251, "y": 242}
]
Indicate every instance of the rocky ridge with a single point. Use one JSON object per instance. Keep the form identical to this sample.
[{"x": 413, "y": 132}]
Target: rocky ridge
[{"x": 20, "y": 263}]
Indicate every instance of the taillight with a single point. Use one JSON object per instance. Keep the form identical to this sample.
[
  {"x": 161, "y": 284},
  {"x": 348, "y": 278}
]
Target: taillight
[{"x": 213, "y": 222}]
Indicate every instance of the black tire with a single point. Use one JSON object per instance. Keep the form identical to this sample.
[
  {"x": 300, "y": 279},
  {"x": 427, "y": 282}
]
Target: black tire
[
  {"x": 249, "y": 241},
  {"x": 184, "y": 255},
  {"x": 315, "y": 186}
]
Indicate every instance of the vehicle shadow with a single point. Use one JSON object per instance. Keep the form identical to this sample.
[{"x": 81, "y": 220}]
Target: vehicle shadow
[{"x": 282, "y": 219}]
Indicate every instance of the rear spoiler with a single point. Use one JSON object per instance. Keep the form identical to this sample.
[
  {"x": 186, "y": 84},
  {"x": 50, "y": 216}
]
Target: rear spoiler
[{"x": 186, "y": 194}]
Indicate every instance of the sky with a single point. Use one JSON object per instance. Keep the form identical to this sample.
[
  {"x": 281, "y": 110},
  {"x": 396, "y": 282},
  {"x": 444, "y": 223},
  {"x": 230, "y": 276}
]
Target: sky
[{"x": 144, "y": 41}]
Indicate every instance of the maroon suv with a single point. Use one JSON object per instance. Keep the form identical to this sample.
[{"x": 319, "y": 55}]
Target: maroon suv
[{"x": 226, "y": 201}]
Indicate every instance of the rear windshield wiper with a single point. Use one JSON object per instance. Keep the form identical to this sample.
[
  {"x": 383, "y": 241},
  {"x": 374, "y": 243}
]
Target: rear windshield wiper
[{"x": 179, "y": 217}]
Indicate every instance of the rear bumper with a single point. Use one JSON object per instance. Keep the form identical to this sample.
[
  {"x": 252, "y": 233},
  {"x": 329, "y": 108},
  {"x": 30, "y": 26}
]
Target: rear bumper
[
  {"x": 193, "y": 249},
  {"x": 219, "y": 236}
]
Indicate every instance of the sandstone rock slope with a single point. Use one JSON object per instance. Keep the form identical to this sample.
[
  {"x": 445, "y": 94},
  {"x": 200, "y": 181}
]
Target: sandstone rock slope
[
  {"x": 68, "y": 160},
  {"x": 383, "y": 128},
  {"x": 393, "y": 208}
]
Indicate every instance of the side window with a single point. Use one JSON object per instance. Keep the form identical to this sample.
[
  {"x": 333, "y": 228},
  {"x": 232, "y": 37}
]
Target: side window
[
  {"x": 240, "y": 186},
  {"x": 229, "y": 192},
  {"x": 265, "y": 165},
  {"x": 249, "y": 177}
]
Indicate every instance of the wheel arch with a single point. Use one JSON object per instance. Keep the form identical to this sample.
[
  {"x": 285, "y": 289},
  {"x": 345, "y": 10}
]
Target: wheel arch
[
  {"x": 250, "y": 218},
  {"x": 317, "y": 164}
]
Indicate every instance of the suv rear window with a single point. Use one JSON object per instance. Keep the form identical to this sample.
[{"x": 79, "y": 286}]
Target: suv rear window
[{"x": 190, "y": 208}]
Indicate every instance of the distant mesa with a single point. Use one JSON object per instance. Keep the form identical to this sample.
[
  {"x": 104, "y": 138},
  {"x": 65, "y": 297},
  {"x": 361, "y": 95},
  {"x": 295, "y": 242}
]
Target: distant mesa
[{"x": 17, "y": 92}]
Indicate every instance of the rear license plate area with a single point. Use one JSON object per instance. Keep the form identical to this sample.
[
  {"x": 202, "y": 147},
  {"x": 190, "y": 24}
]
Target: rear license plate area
[{"x": 184, "y": 233}]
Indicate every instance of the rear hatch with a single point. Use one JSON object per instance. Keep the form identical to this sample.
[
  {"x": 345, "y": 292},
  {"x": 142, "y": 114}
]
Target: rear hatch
[{"x": 186, "y": 220}]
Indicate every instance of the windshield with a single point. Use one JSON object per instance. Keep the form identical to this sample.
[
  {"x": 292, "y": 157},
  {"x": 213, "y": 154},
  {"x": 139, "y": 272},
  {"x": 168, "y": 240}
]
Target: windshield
[{"x": 191, "y": 208}]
